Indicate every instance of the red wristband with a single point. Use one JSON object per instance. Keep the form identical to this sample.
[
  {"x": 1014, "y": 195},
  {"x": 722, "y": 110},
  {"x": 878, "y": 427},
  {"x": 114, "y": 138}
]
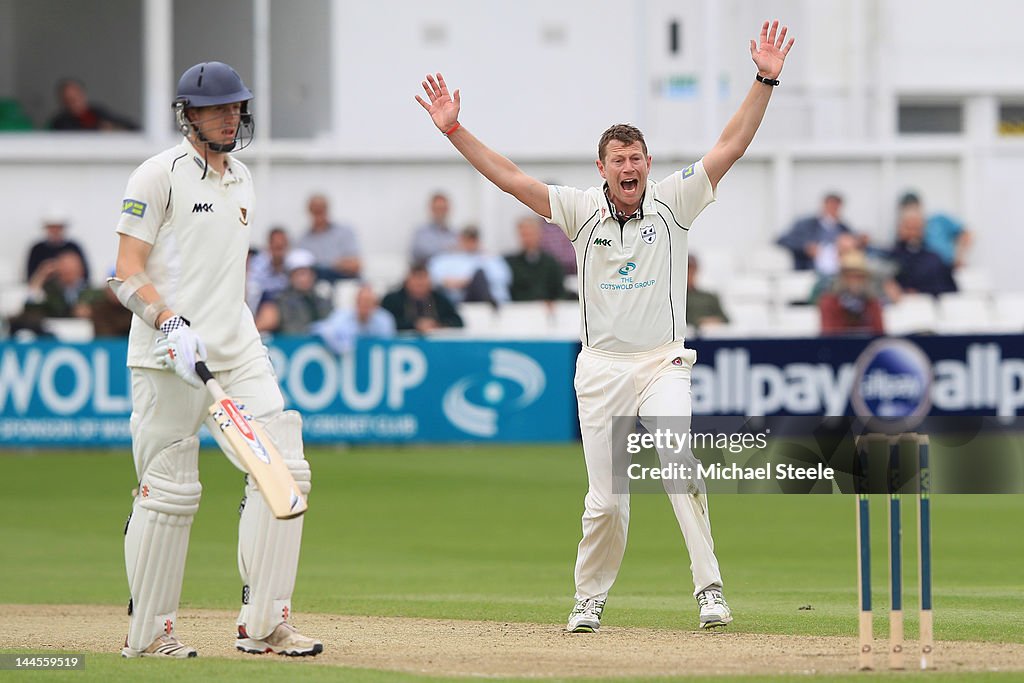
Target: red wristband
[{"x": 451, "y": 130}]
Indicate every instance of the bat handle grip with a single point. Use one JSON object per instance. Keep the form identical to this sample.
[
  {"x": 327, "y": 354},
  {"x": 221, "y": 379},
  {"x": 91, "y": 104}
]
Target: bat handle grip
[{"x": 203, "y": 372}]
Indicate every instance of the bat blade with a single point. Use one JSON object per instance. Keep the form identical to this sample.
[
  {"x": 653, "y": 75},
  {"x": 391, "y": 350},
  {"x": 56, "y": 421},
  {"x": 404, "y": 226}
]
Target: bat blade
[
  {"x": 261, "y": 459},
  {"x": 257, "y": 453}
]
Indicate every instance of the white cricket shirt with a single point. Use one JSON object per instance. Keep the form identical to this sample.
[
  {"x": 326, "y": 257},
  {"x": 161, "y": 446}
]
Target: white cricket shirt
[
  {"x": 633, "y": 276},
  {"x": 199, "y": 228}
]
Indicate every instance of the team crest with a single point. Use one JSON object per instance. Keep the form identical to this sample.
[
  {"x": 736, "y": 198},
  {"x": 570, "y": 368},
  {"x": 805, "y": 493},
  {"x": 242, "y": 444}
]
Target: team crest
[{"x": 648, "y": 234}]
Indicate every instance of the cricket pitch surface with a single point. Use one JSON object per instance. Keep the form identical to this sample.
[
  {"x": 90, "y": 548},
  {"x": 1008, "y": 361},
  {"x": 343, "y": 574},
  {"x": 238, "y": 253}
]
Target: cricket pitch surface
[{"x": 445, "y": 647}]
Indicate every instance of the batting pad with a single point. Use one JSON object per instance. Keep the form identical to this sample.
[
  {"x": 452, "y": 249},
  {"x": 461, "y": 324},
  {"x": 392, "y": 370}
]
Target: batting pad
[
  {"x": 156, "y": 539},
  {"x": 268, "y": 548}
]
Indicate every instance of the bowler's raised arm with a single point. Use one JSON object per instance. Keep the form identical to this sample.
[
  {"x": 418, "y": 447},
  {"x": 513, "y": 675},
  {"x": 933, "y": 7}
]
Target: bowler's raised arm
[
  {"x": 768, "y": 54},
  {"x": 443, "y": 108}
]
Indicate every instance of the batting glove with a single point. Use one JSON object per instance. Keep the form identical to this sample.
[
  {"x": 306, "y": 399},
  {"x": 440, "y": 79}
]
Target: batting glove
[{"x": 180, "y": 349}]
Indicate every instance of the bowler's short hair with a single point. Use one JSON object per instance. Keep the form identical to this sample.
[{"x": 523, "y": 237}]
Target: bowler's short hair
[{"x": 620, "y": 132}]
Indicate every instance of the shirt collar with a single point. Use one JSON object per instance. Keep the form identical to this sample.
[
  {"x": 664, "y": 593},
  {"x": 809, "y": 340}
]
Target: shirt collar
[
  {"x": 229, "y": 175},
  {"x": 618, "y": 215}
]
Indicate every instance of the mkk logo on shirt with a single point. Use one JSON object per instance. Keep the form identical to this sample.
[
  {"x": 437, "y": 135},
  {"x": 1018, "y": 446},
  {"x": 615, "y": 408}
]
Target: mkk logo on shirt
[
  {"x": 202, "y": 208},
  {"x": 602, "y": 242}
]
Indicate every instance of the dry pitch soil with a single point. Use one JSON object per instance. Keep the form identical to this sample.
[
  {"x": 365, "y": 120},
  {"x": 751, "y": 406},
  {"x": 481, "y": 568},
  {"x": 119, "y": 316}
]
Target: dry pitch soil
[{"x": 443, "y": 647}]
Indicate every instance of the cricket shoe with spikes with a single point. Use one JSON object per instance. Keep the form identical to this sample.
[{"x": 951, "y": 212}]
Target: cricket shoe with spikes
[
  {"x": 585, "y": 616},
  {"x": 714, "y": 611},
  {"x": 164, "y": 646},
  {"x": 283, "y": 640}
]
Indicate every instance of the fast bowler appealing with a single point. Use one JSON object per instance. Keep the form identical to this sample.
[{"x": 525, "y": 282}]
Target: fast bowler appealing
[
  {"x": 630, "y": 238},
  {"x": 183, "y": 239}
]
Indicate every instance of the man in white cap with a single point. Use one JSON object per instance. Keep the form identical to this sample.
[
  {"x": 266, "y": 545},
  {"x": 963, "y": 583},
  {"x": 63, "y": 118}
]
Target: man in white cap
[
  {"x": 55, "y": 223},
  {"x": 295, "y": 309}
]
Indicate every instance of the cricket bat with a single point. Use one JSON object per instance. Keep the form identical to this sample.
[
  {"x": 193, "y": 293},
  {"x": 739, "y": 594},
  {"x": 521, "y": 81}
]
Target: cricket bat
[{"x": 255, "y": 450}]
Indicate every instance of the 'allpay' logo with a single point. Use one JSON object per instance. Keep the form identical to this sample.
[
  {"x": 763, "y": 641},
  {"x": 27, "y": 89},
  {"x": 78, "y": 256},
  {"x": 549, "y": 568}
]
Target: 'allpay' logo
[
  {"x": 474, "y": 403},
  {"x": 892, "y": 380}
]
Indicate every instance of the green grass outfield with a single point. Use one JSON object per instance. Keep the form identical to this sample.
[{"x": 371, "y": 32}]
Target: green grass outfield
[{"x": 490, "y": 533}]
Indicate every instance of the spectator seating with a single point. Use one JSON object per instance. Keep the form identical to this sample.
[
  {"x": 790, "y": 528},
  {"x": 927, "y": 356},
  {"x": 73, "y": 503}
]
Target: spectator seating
[{"x": 974, "y": 280}]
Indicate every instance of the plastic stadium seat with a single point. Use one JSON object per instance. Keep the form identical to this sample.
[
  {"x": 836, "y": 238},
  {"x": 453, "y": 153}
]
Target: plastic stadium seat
[
  {"x": 770, "y": 260},
  {"x": 69, "y": 329},
  {"x": 959, "y": 305},
  {"x": 749, "y": 288},
  {"x": 566, "y": 323},
  {"x": 524, "y": 320},
  {"x": 963, "y": 314},
  {"x": 480, "y": 319},
  {"x": 798, "y": 321},
  {"x": 12, "y": 298},
  {"x": 729, "y": 331},
  {"x": 913, "y": 313},
  {"x": 795, "y": 287},
  {"x": 754, "y": 318},
  {"x": 385, "y": 271},
  {"x": 716, "y": 264},
  {"x": 974, "y": 280},
  {"x": 1008, "y": 312},
  {"x": 345, "y": 293}
]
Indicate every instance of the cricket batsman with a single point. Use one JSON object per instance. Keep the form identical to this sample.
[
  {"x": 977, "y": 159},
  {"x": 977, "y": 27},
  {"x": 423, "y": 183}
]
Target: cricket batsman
[
  {"x": 634, "y": 361},
  {"x": 183, "y": 239}
]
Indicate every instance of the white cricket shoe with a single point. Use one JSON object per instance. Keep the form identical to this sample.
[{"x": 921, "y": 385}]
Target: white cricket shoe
[
  {"x": 283, "y": 640},
  {"x": 714, "y": 611},
  {"x": 585, "y": 616},
  {"x": 164, "y": 646}
]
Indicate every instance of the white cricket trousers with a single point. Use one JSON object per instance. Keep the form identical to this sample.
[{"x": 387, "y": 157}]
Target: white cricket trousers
[
  {"x": 166, "y": 414},
  {"x": 165, "y": 409},
  {"x": 647, "y": 385}
]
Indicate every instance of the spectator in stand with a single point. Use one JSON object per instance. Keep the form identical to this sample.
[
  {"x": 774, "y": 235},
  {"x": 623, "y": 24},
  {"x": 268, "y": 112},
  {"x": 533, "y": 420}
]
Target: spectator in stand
[
  {"x": 469, "y": 274},
  {"x": 335, "y": 245},
  {"x": 812, "y": 240},
  {"x": 341, "y": 330},
  {"x": 703, "y": 309},
  {"x": 266, "y": 273},
  {"x": 55, "y": 290},
  {"x": 418, "y": 307},
  {"x": 536, "y": 274},
  {"x": 109, "y": 317},
  {"x": 554, "y": 241},
  {"x": 294, "y": 310},
  {"x": 850, "y": 306},
  {"x": 77, "y": 113},
  {"x": 943, "y": 234},
  {"x": 880, "y": 271},
  {"x": 55, "y": 223},
  {"x": 434, "y": 237},
  {"x": 918, "y": 269}
]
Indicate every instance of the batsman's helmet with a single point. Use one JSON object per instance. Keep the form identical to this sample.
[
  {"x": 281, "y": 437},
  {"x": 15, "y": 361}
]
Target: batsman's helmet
[{"x": 208, "y": 84}]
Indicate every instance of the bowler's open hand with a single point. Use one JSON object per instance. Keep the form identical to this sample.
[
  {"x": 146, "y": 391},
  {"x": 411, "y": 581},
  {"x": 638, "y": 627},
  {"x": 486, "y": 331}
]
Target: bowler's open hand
[
  {"x": 443, "y": 107},
  {"x": 771, "y": 52}
]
